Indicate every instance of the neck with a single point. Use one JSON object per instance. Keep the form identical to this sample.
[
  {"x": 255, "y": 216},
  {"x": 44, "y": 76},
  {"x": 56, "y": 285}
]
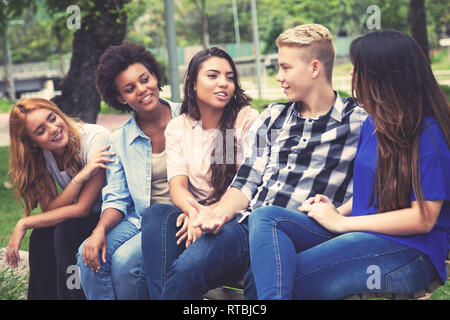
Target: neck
[
  {"x": 154, "y": 118},
  {"x": 59, "y": 156},
  {"x": 318, "y": 103},
  {"x": 210, "y": 117}
]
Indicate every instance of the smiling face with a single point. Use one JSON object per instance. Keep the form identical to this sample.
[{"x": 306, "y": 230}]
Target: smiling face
[
  {"x": 294, "y": 74},
  {"x": 215, "y": 83},
  {"x": 47, "y": 130},
  {"x": 138, "y": 87}
]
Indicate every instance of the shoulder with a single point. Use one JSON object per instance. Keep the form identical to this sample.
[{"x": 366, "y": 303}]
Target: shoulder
[
  {"x": 246, "y": 115},
  {"x": 179, "y": 126},
  {"x": 175, "y": 107},
  {"x": 92, "y": 132},
  {"x": 354, "y": 110},
  {"x": 273, "y": 111},
  {"x": 432, "y": 139},
  {"x": 180, "y": 122}
]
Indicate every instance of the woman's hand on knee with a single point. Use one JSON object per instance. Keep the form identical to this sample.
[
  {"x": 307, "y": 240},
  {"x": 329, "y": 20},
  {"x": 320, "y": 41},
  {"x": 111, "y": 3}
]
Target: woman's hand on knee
[{"x": 318, "y": 198}]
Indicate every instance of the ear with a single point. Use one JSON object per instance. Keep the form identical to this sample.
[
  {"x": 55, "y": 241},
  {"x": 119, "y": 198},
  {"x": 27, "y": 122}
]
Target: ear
[
  {"x": 316, "y": 67},
  {"x": 121, "y": 100}
]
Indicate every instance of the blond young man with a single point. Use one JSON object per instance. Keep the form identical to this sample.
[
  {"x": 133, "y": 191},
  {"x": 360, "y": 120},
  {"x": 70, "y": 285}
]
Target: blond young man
[{"x": 296, "y": 150}]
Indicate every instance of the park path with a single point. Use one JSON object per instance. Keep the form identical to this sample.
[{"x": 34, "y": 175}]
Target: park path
[{"x": 110, "y": 121}]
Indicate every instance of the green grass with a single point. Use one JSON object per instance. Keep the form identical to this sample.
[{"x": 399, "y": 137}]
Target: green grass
[{"x": 10, "y": 209}]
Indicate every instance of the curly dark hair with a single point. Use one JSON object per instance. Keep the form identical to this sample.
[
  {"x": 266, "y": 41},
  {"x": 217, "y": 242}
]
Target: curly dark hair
[
  {"x": 222, "y": 174},
  {"x": 116, "y": 59}
]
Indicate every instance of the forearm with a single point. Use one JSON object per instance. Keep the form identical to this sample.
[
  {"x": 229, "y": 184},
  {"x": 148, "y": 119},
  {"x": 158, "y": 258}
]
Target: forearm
[
  {"x": 399, "y": 223},
  {"x": 346, "y": 208},
  {"x": 179, "y": 194},
  {"x": 66, "y": 197},
  {"x": 231, "y": 203},
  {"x": 109, "y": 219},
  {"x": 82, "y": 208},
  {"x": 53, "y": 217}
]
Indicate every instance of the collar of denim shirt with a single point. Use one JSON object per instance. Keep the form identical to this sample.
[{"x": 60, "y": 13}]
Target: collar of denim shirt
[{"x": 135, "y": 131}]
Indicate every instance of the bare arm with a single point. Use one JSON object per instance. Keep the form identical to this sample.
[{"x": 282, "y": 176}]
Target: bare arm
[
  {"x": 88, "y": 195},
  {"x": 180, "y": 194},
  {"x": 81, "y": 208},
  {"x": 73, "y": 189},
  {"x": 211, "y": 220},
  {"x": 402, "y": 222}
]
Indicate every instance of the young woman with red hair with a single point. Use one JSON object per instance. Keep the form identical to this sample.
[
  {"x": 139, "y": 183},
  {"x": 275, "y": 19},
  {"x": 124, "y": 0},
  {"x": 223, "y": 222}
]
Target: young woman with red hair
[{"x": 48, "y": 148}]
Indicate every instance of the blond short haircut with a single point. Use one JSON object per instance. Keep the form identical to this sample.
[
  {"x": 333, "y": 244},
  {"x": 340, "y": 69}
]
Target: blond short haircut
[{"x": 316, "y": 39}]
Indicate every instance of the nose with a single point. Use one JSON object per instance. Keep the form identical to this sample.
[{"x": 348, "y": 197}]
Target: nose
[
  {"x": 279, "y": 77},
  {"x": 140, "y": 88},
  {"x": 52, "y": 128},
  {"x": 222, "y": 81},
  {"x": 351, "y": 71}
]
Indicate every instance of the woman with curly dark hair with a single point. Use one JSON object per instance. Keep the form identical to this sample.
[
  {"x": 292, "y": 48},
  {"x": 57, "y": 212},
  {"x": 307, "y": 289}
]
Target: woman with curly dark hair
[
  {"x": 205, "y": 149},
  {"x": 128, "y": 79}
]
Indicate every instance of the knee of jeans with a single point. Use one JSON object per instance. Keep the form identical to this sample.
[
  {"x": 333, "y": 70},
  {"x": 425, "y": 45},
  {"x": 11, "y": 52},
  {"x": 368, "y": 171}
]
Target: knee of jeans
[
  {"x": 262, "y": 215},
  {"x": 128, "y": 257},
  {"x": 155, "y": 212},
  {"x": 186, "y": 270}
]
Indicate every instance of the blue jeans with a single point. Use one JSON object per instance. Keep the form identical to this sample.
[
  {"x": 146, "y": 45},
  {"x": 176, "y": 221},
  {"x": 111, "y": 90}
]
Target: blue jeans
[
  {"x": 117, "y": 278},
  {"x": 293, "y": 257},
  {"x": 174, "y": 272}
]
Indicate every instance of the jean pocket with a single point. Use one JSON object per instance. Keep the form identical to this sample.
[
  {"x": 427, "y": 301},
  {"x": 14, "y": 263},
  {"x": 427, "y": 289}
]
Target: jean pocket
[{"x": 411, "y": 277}]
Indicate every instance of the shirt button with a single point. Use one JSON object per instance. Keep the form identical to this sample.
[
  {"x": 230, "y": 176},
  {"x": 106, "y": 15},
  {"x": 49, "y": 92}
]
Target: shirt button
[{"x": 304, "y": 140}]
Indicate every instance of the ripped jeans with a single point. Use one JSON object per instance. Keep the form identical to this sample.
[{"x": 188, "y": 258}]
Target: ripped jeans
[{"x": 293, "y": 257}]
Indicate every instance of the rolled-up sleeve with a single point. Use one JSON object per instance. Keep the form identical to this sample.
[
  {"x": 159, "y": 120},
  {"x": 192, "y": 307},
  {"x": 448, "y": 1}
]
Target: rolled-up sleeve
[{"x": 116, "y": 194}]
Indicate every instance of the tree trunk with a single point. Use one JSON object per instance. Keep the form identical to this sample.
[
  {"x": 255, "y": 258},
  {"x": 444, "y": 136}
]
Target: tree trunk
[
  {"x": 205, "y": 32},
  {"x": 418, "y": 23},
  {"x": 7, "y": 63},
  {"x": 79, "y": 96}
]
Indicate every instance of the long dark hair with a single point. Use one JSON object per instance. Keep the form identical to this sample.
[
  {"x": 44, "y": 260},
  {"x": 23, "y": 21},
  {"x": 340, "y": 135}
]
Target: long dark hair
[
  {"x": 221, "y": 173},
  {"x": 393, "y": 81}
]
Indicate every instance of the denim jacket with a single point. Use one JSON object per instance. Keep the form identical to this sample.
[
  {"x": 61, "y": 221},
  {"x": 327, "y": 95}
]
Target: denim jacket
[{"x": 129, "y": 178}]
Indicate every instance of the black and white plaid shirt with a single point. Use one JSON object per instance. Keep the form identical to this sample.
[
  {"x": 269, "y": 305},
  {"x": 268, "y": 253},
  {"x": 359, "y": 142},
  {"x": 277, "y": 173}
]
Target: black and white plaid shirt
[{"x": 290, "y": 158}]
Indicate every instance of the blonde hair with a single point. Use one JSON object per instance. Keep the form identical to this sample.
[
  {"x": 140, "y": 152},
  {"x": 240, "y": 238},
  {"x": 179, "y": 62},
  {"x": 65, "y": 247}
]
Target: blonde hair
[
  {"x": 317, "y": 41},
  {"x": 27, "y": 170}
]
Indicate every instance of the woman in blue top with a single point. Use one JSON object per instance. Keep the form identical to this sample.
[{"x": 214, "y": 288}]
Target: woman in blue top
[
  {"x": 128, "y": 79},
  {"x": 393, "y": 235}
]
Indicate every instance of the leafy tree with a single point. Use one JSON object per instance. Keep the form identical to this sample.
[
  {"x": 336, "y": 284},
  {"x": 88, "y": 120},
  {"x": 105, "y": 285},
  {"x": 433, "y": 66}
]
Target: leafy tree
[
  {"x": 9, "y": 10},
  {"x": 103, "y": 23}
]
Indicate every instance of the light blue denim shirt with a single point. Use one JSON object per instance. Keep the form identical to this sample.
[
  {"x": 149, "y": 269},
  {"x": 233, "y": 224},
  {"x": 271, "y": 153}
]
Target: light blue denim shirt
[{"x": 129, "y": 178}]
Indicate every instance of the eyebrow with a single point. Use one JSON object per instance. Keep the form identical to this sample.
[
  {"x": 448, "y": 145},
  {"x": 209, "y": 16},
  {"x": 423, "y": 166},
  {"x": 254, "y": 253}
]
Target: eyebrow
[
  {"x": 143, "y": 74},
  {"x": 41, "y": 125},
  {"x": 217, "y": 71}
]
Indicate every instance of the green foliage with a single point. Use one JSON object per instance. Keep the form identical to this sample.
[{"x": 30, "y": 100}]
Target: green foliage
[{"x": 13, "y": 283}]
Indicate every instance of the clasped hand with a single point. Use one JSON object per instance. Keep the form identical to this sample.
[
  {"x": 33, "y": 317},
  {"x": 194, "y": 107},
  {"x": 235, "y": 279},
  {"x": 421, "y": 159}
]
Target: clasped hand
[{"x": 323, "y": 212}]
